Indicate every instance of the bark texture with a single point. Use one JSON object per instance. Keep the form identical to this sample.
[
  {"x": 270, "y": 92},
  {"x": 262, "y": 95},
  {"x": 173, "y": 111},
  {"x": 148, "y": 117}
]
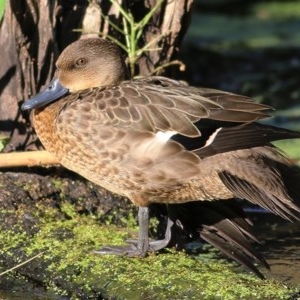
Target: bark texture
[{"x": 34, "y": 32}]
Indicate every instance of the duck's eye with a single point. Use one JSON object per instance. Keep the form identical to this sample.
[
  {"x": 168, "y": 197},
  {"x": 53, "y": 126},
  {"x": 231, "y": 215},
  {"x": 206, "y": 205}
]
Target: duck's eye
[{"x": 81, "y": 61}]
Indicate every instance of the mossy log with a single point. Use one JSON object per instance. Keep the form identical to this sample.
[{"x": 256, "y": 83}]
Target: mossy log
[{"x": 61, "y": 219}]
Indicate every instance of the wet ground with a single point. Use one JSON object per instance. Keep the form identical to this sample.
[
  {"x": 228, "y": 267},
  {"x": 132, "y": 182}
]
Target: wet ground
[{"x": 280, "y": 243}]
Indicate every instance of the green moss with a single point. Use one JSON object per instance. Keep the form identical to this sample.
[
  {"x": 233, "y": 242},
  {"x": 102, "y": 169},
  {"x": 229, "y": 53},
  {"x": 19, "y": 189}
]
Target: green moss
[
  {"x": 12, "y": 240},
  {"x": 68, "y": 210},
  {"x": 57, "y": 183},
  {"x": 73, "y": 268}
]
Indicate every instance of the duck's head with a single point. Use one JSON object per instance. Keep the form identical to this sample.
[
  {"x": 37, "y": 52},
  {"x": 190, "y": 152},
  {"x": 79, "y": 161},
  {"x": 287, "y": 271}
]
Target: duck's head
[{"x": 84, "y": 64}]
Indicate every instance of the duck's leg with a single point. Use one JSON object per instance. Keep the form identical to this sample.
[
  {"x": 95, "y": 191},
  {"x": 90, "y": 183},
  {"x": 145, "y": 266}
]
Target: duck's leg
[
  {"x": 141, "y": 246},
  {"x": 155, "y": 245},
  {"x": 161, "y": 244}
]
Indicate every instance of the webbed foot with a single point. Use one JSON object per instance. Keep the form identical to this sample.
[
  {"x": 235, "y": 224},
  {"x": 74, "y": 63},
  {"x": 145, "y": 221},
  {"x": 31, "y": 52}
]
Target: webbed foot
[{"x": 141, "y": 246}]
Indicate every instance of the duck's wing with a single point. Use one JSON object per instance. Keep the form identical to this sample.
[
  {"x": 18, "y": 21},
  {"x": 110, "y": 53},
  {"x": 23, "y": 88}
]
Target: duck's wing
[
  {"x": 160, "y": 104},
  {"x": 206, "y": 121},
  {"x": 220, "y": 137}
]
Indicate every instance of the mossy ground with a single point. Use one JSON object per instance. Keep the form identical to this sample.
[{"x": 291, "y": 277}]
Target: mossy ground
[{"x": 69, "y": 267}]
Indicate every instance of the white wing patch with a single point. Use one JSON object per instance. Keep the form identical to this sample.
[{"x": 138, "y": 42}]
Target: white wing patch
[
  {"x": 212, "y": 137},
  {"x": 151, "y": 147},
  {"x": 164, "y": 136}
]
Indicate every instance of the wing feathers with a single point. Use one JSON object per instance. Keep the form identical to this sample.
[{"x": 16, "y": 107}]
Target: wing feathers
[
  {"x": 241, "y": 137},
  {"x": 158, "y": 104},
  {"x": 237, "y": 102},
  {"x": 274, "y": 199},
  {"x": 236, "y": 116},
  {"x": 161, "y": 121},
  {"x": 181, "y": 123}
]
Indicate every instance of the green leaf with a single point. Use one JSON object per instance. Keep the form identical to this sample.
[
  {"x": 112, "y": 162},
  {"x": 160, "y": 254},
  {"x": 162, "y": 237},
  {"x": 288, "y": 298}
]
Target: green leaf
[{"x": 2, "y": 7}]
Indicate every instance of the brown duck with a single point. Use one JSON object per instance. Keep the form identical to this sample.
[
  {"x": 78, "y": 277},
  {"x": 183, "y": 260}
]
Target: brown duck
[{"x": 158, "y": 140}]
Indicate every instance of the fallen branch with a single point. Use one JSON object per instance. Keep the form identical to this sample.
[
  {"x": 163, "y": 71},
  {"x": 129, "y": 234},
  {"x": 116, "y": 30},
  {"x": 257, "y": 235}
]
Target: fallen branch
[{"x": 27, "y": 159}]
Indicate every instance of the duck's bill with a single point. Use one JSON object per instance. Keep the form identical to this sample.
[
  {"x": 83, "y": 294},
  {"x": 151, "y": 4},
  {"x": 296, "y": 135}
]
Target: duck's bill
[{"x": 52, "y": 92}]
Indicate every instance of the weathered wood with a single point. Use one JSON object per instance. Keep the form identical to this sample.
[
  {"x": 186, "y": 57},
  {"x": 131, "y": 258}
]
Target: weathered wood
[{"x": 27, "y": 159}]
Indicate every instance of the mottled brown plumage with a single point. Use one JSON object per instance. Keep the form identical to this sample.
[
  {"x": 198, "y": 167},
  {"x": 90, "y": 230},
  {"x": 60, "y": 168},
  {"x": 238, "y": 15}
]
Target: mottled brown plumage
[{"x": 157, "y": 140}]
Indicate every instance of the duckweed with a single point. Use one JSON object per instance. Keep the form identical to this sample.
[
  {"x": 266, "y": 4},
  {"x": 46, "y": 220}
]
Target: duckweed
[{"x": 73, "y": 269}]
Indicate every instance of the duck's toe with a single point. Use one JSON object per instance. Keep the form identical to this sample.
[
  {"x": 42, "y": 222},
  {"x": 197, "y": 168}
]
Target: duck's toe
[
  {"x": 135, "y": 248},
  {"x": 130, "y": 250}
]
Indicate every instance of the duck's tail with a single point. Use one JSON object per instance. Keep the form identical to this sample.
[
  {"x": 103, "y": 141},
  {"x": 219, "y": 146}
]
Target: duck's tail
[{"x": 269, "y": 180}]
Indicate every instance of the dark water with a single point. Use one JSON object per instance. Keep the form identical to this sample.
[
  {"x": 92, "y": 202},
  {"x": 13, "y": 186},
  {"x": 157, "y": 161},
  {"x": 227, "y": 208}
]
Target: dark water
[{"x": 280, "y": 243}]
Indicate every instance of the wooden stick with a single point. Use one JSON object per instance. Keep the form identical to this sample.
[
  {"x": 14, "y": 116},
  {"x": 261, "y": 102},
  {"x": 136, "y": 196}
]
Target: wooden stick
[
  {"x": 27, "y": 159},
  {"x": 22, "y": 263}
]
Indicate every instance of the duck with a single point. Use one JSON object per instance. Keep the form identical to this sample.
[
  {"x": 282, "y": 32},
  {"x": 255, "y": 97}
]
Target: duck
[{"x": 156, "y": 140}]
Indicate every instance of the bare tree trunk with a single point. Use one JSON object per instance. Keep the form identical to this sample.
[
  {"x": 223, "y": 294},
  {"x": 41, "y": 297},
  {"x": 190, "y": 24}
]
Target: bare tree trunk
[{"x": 34, "y": 32}]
